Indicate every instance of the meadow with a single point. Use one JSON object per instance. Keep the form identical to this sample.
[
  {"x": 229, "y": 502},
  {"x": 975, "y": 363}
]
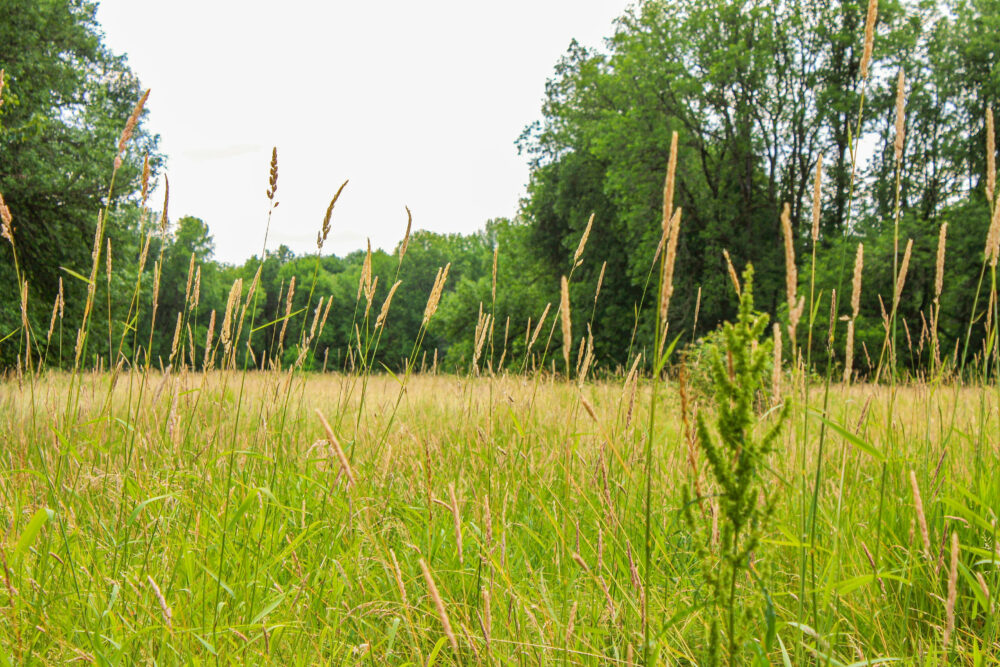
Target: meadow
[
  {"x": 193, "y": 517},
  {"x": 766, "y": 494}
]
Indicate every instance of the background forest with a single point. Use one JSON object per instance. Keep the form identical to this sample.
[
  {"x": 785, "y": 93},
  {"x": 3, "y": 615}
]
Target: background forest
[{"x": 755, "y": 91}]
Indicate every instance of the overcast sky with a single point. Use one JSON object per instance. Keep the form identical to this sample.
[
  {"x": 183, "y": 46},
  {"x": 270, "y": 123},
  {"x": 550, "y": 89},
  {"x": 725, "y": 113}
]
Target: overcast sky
[{"x": 417, "y": 103}]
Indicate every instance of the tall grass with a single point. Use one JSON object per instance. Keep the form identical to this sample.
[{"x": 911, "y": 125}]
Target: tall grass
[{"x": 224, "y": 508}]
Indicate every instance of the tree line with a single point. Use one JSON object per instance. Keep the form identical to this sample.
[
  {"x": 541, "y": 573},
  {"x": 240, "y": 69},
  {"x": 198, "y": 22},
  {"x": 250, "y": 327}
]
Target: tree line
[{"x": 756, "y": 92}]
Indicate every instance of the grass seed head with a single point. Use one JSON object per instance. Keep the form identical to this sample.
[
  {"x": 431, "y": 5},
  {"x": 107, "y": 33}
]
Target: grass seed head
[
  {"x": 939, "y": 265},
  {"x": 900, "y": 115},
  {"x": 668, "y": 183},
  {"x": 991, "y": 156},
  {"x": 583, "y": 241},
  {"x": 817, "y": 198},
  {"x": 949, "y": 607},
  {"x": 130, "y": 124},
  {"x": 439, "y": 606},
  {"x": 859, "y": 263},
  {"x": 870, "y": 20},
  {"x": 901, "y": 278},
  {"x": 993, "y": 238},
  {"x": 567, "y": 323},
  {"x": 6, "y": 221}
]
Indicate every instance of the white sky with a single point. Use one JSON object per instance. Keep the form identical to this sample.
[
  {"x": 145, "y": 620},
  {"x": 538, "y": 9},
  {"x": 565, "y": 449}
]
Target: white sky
[{"x": 418, "y": 103}]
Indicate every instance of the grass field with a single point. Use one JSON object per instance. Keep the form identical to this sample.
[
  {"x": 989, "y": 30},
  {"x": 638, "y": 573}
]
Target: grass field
[
  {"x": 173, "y": 518},
  {"x": 723, "y": 505}
]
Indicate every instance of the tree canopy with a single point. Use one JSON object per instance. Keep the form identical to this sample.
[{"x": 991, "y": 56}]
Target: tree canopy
[{"x": 756, "y": 92}]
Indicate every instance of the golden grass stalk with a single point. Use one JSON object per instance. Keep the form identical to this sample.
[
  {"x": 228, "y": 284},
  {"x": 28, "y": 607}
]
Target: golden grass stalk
[
  {"x": 190, "y": 334},
  {"x": 600, "y": 280},
  {"x": 364, "y": 284},
  {"x": 190, "y": 276},
  {"x": 145, "y": 179},
  {"x": 938, "y": 287},
  {"x": 164, "y": 220},
  {"x": 985, "y": 589},
  {"x": 776, "y": 370},
  {"x": 457, "y": 519},
  {"x": 325, "y": 228},
  {"x": 849, "y": 354},
  {"x": 866, "y": 56},
  {"x": 817, "y": 197},
  {"x": 795, "y": 305},
  {"x": 6, "y": 221},
  {"x": 130, "y": 124},
  {"x": 487, "y": 617},
  {"x": 439, "y": 605},
  {"x": 570, "y": 623},
  {"x": 164, "y": 607},
  {"x": 900, "y": 115},
  {"x": 227, "y": 321},
  {"x": 196, "y": 295},
  {"x": 579, "y": 355},
  {"x": 315, "y": 321},
  {"x": 949, "y": 607},
  {"x": 668, "y": 183},
  {"x": 901, "y": 278},
  {"x": 588, "y": 357},
  {"x": 107, "y": 266},
  {"x": 667, "y": 286},
  {"x": 337, "y": 449},
  {"x": 326, "y": 312},
  {"x": 435, "y": 296},
  {"x": 538, "y": 327},
  {"x": 918, "y": 505},
  {"x": 272, "y": 177},
  {"x": 991, "y": 156},
  {"x": 580, "y": 246},
  {"x": 993, "y": 238},
  {"x": 398, "y": 574},
  {"x": 567, "y": 324},
  {"x": 206, "y": 361},
  {"x": 144, "y": 255},
  {"x": 732, "y": 272},
  {"x": 493, "y": 282},
  {"x": 380, "y": 320},
  {"x": 483, "y": 328},
  {"x": 178, "y": 329},
  {"x": 406, "y": 237},
  {"x": 24, "y": 317},
  {"x": 52, "y": 322},
  {"x": 859, "y": 263},
  {"x": 370, "y": 295}
]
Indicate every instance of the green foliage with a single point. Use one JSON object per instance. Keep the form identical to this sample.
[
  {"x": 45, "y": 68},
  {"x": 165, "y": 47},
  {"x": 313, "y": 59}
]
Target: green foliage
[
  {"x": 66, "y": 100},
  {"x": 736, "y": 456}
]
